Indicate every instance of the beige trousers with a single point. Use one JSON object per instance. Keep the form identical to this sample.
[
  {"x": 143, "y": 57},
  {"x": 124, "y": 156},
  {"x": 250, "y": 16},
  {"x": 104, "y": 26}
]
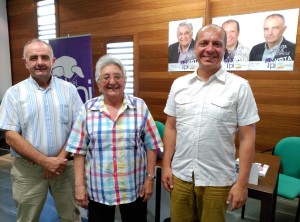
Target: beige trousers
[{"x": 30, "y": 191}]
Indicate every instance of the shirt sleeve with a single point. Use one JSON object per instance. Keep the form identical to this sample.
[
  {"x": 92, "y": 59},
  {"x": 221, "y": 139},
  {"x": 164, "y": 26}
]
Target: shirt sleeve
[
  {"x": 9, "y": 119},
  {"x": 78, "y": 139},
  {"x": 152, "y": 138},
  {"x": 247, "y": 108},
  {"x": 170, "y": 108}
]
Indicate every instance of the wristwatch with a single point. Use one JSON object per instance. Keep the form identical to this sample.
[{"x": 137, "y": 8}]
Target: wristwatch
[{"x": 152, "y": 177}]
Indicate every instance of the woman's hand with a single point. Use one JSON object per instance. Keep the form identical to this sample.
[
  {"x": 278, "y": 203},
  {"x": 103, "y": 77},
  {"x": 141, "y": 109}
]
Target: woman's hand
[{"x": 81, "y": 196}]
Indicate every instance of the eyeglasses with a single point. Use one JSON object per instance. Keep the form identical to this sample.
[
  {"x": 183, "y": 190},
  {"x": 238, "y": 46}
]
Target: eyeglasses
[
  {"x": 107, "y": 78},
  {"x": 185, "y": 34}
]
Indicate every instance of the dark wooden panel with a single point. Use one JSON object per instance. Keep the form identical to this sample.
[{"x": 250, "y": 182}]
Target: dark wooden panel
[
  {"x": 125, "y": 10},
  {"x": 20, "y": 7},
  {"x": 22, "y": 23},
  {"x": 245, "y": 6}
]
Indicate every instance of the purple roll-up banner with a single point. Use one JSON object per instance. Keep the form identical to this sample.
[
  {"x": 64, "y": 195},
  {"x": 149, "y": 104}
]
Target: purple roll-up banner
[{"x": 74, "y": 63}]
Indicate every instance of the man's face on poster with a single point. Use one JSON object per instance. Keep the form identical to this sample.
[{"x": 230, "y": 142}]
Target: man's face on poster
[
  {"x": 273, "y": 30},
  {"x": 232, "y": 33},
  {"x": 184, "y": 36}
]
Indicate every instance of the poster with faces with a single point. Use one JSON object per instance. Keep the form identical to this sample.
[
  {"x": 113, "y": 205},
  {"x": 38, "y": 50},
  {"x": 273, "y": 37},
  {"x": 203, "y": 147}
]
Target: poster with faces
[
  {"x": 182, "y": 35},
  {"x": 260, "y": 41}
]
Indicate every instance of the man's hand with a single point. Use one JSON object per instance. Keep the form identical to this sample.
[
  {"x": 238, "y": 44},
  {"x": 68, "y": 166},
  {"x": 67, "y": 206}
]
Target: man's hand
[
  {"x": 167, "y": 178},
  {"x": 48, "y": 175},
  {"x": 237, "y": 196},
  {"x": 54, "y": 165}
]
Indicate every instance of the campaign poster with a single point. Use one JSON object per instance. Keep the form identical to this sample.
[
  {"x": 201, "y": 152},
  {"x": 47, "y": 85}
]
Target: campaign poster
[
  {"x": 182, "y": 34},
  {"x": 74, "y": 63},
  {"x": 265, "y": 40}
]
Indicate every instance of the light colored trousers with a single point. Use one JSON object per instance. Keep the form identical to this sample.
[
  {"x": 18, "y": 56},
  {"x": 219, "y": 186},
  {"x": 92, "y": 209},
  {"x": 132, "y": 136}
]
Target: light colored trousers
[
  {"x": 30, "y": 191},
  {"x": 188, "y": 200}
]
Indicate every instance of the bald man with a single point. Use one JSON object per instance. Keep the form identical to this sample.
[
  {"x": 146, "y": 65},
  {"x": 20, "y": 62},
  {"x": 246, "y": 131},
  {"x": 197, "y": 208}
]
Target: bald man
[
  {"x": 205, "y": 109},
  {"x": 276, "y": 47}
]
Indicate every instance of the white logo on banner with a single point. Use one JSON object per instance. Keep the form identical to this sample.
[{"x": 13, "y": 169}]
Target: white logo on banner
[{"x": 66, "y": 67}]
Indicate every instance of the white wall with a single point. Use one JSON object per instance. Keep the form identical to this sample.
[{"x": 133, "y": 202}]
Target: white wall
[{"x": 5, "y": 67}]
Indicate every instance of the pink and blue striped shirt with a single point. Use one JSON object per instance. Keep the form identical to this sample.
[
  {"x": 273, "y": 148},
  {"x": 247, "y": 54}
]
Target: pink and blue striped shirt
[{"x": 115, "y": 150}]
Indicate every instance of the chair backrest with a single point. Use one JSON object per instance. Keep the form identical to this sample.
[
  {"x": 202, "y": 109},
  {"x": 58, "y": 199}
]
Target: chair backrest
[
  {"x": 289, "y": 151},
  {"x": 161, "y": 127}
]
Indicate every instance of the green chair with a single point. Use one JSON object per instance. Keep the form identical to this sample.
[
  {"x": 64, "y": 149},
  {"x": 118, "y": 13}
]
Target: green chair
[
  {"x": 161, "y": 127},
  {"x": 288, "y": 149}
]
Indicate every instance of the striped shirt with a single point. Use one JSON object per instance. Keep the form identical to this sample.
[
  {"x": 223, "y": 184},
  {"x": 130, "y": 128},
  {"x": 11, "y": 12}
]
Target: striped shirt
[
  {"x": 43, "y": 117},
  {"x": 115, "y": 150}
]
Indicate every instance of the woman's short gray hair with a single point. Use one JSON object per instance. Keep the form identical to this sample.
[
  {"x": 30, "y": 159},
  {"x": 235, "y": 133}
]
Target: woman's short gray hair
[{"x": 105, "y": 61}]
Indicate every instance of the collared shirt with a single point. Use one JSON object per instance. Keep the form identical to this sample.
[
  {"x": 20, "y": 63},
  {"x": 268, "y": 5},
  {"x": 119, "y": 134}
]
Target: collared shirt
[
  {"x": 42, "y": 116},
  {"x": 269, "y": 54},
  {"x": 185, "y": 57},
  {"x": 239, "y": 54},
  {"x": 208, "y": 115},
  {"x": 115, "y": 150},
  {"x": 229, "y": 56}
]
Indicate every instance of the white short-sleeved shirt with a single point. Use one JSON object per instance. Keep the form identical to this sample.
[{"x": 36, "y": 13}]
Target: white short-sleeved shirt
[{"x": 208, "y": 115}]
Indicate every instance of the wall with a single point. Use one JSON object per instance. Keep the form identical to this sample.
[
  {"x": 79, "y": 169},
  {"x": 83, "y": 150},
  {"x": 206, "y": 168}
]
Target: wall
[
  {"x": 5, "y": 82},
  {"x": 22, "y": 25},
  {"x": 277, "y": 93}
]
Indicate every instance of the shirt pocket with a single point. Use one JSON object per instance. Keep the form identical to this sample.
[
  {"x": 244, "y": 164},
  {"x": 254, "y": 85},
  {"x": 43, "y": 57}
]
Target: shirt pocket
[
  {"x": 184, "y": 106},
  {"x": 222, "y": 110},
  {"x": 129, "y": 139},
  {"x": 64, "y": 115}
]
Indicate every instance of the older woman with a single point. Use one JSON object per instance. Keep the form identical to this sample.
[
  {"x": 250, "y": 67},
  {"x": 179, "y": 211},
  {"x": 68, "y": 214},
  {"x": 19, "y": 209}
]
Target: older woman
[{"x": 114, "y": 140}]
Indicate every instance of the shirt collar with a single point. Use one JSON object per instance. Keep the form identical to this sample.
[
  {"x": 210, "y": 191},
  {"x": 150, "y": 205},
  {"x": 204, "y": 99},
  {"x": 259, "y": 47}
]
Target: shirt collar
[
  {"x": 179, "y": 49},
  {"x": 275, "y": 47},
  {"x": 220, "y": 75},
  {"x": 32, "y": 80},
  {"x": 127, "y": 103}
]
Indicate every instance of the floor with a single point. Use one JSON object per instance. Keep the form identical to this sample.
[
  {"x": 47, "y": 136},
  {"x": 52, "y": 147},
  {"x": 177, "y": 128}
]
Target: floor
[{"x": 285, "y": 211}]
